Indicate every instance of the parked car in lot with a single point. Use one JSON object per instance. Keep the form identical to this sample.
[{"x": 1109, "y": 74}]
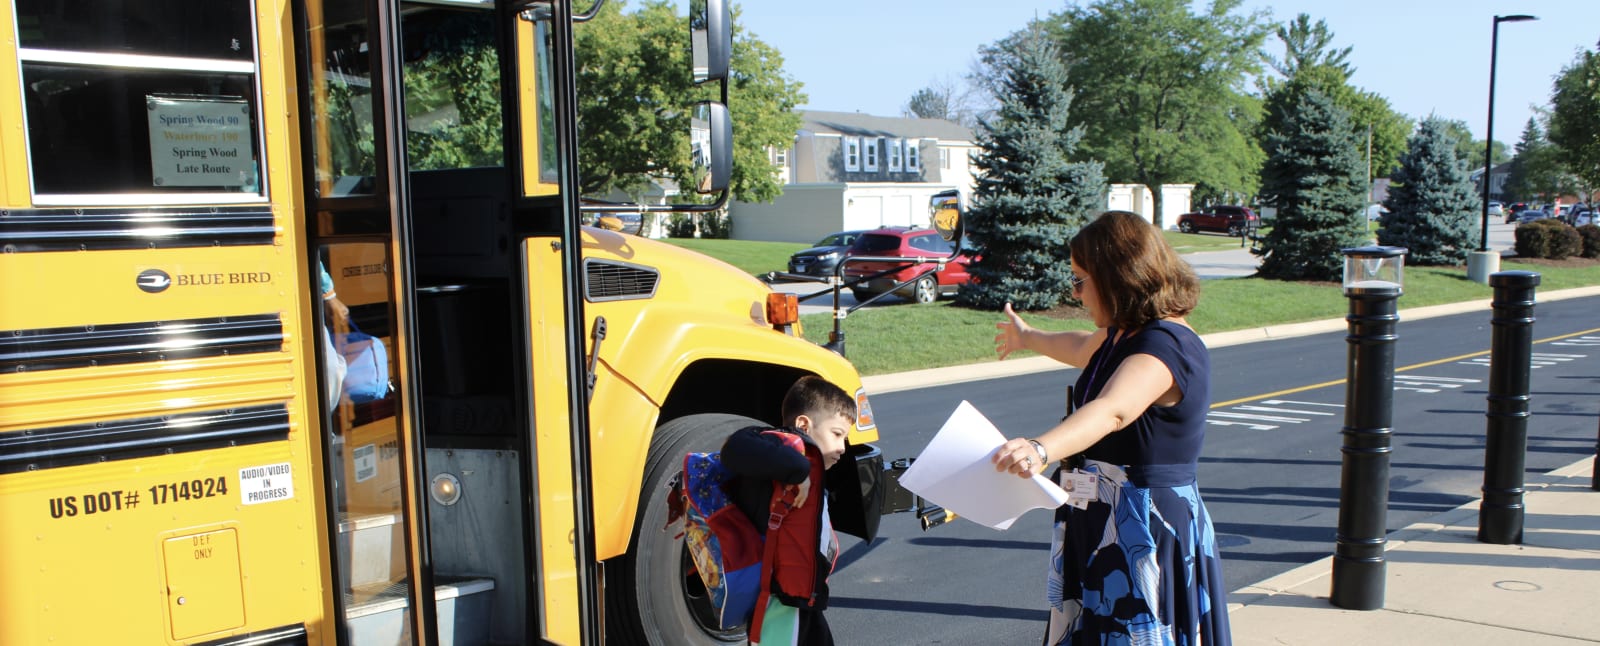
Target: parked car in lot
[
  {"x": 1528, "y": 215},
  {"x": 821, "y": 259},
  {"x": 1232, "y": 220},
  {"x": 907, "y": 242},
  {"x": 1583, "y": 217}
]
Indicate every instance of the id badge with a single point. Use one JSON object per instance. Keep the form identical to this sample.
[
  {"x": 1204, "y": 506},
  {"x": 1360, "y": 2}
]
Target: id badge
[{"x": 1082, "y": 488}]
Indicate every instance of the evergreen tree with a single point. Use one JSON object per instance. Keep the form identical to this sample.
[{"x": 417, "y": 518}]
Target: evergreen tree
[
  {"x": 1433, "y": 212},
  {"x": 1528, "y": 167},
  {"x": 1030, "y": 198},
  {"x": 1315, "y": 176}
]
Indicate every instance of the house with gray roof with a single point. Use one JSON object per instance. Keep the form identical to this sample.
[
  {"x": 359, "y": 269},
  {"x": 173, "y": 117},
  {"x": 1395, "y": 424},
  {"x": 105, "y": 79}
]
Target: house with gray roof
[{"x": 849, "y": 170}]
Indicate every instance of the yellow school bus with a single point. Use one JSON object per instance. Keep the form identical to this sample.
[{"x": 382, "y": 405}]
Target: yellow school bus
[{"x": 302, "y": 339}]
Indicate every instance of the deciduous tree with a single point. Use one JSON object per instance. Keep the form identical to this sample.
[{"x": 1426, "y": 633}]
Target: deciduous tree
[
  {"x": 1575, "y": 116},
  {"x": 1031, "y": 198},
  {"x": 1433, "y": 211},
  {"x": 1162, "y": 90},
  {"x": 635, "y": 93},
  {"x": 1316, "y": 180}
]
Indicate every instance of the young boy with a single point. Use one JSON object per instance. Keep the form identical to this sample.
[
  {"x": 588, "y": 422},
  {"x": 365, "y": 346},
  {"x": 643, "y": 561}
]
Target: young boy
[{"x": 821, "y": 415}]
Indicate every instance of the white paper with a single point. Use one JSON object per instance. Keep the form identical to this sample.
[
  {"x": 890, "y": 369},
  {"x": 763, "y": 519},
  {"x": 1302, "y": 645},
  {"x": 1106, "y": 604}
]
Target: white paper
[{"x": 954, "y": 472}]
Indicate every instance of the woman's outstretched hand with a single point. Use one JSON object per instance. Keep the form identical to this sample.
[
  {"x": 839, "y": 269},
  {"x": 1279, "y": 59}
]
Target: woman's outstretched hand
[{"x": 1012, "y": 329}]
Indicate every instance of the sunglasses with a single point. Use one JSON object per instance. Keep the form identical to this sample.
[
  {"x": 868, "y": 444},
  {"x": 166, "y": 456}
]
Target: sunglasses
[{"x": 1076, "y": 280}]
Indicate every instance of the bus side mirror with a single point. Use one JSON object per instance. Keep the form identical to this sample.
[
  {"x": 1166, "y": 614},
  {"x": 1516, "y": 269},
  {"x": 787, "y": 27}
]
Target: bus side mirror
[
  {"x": 711, "y": 144},
  {"x": 944, "y": 209},
  {"x": 712, "y": 39}
]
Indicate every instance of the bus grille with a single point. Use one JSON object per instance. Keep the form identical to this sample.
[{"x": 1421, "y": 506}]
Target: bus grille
[{"x": 615, "y": 281}]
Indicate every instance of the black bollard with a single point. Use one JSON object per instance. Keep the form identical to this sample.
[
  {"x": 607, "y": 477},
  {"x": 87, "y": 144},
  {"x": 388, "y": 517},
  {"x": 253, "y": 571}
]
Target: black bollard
[
  {"x": 1358, "y": 565},
  {"x": 1505, "y": 446},
  {"x": 1594, "y": 471}
]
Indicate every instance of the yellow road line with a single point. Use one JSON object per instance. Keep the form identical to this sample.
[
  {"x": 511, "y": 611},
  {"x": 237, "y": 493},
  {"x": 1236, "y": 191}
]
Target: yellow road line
[{"x": 1424, "y": 364}]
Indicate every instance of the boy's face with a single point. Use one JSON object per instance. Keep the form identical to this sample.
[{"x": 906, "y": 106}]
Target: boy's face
[{"x": 828, "y": 431}]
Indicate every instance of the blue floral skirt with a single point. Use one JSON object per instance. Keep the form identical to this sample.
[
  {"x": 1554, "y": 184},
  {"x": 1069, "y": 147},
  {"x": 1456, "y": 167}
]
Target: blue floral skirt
[{"x": 1138, "y": 566}]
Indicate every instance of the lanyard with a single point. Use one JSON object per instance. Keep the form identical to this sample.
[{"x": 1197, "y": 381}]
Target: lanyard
[{"x": 1112, "y": 337}]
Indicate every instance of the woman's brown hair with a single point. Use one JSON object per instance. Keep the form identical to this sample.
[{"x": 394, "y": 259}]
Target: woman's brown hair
[{"x": 1137, "y": 274}]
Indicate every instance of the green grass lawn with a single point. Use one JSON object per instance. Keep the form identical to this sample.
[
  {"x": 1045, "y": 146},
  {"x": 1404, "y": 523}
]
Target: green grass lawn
[
  {"x": 753, "y": 257},
  {"x": 901, "y": 336}
]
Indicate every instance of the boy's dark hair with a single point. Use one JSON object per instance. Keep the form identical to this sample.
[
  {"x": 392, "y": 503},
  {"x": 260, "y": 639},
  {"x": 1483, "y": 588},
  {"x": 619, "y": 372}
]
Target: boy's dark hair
[{"x": 813, "y": 396}]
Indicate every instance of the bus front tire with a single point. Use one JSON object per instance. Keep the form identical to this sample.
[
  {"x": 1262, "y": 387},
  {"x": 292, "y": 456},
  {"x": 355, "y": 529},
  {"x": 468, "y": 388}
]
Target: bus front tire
[{"x": 651, "y": 593}]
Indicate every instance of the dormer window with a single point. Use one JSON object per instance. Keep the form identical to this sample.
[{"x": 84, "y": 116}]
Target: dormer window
[
  {"x": 895, "y": 152},
  {"x": 913, "y": 155},
  {"x": 852, "y": 153},
  {"x": 872, "y": 154}
]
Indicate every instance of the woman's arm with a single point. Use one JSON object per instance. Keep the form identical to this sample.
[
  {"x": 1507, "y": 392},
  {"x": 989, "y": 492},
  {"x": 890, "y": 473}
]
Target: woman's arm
[
  {"x": 1137, "y": 384},
  {"x": 1070, "y": 347}
]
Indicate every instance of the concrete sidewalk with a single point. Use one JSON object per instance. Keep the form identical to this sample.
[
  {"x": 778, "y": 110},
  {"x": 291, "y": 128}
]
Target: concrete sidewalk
[{"x": 1444, "y": 587}]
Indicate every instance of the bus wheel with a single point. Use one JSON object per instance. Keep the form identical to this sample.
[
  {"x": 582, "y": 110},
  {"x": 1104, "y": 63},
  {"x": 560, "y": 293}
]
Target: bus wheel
[{"x": 653, "y": 595}]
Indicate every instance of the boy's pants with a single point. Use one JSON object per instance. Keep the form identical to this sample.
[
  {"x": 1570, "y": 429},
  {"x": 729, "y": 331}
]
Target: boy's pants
[{"x": 790, "y": 626}]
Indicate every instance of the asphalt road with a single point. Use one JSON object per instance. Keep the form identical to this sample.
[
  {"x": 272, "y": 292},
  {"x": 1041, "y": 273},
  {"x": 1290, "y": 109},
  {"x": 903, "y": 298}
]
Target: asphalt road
[
  {"x": 1269, "y": 473},
  {"x": 1208, "y": 264}
]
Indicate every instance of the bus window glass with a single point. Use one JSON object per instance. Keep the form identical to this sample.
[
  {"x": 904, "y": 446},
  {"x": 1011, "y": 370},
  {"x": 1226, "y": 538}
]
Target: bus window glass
[
  {"x": 452, "y": 78},
  {"x": 358, "y": 352},
  {"x": 180, "y": 28},
  {"x": 546, "y": 105},
  {"x": 344, "y": 145},
  {"x": 117, "y": 104},
  {"x": 536, "y": 110}
]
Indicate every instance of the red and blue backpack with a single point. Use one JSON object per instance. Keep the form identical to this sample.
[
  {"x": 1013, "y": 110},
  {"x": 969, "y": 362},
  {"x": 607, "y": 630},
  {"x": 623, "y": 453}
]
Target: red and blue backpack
[{"x": 730, "y": 554}]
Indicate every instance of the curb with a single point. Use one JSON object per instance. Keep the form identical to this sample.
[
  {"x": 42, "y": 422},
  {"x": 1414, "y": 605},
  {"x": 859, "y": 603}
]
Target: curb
[{"x": 899, "y": 381}]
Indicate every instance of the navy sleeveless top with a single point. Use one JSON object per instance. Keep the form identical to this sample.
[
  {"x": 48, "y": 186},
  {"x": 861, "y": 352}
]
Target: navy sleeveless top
[{"x": 1163, "y": 434}]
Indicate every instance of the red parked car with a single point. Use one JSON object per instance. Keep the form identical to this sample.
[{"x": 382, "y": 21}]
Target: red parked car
[
  {"x": 906, "y": 242},
  {"x": 1232, "y": 220}
]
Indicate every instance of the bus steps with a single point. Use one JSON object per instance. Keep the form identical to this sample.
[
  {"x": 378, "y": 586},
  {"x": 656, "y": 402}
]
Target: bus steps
[
  {"x": 463, "y": 605},
  {"x": 376, "y": 607}
]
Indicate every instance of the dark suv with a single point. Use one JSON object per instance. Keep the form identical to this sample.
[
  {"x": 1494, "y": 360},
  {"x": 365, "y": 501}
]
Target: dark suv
[
  {"x": 1232, "y": 220},
  {"x": 820, "y": 260},
  {"x": 906, "y": 242}
]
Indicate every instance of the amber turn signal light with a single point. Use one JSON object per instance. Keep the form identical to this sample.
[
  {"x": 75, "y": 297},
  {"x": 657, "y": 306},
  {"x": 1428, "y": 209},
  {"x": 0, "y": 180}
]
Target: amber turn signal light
[{"x": 782, "y": 309}]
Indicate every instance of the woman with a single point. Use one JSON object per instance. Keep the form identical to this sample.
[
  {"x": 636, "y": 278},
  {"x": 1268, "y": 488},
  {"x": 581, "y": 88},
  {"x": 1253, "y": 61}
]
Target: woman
[{"x": 1139, "y": 564}]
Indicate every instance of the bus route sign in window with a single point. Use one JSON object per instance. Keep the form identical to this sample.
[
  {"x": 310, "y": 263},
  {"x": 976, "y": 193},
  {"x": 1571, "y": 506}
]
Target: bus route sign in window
[{"x": 200, "y": 142}]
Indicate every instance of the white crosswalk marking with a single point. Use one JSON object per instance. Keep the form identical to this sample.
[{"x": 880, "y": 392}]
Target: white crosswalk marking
[
  {"x": 1538, "y": 360},
  {"x": 1579, "y": 341},
  {"x": 1273, "y": 409},
  {"x": 1426, "y": 384}
]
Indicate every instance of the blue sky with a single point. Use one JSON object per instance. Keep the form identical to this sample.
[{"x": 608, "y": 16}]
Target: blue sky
[{"x": 1425, "y": 56}]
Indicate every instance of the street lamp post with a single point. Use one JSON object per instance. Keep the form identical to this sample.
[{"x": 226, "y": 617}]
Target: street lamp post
[{"x": 1484, "y": 262}]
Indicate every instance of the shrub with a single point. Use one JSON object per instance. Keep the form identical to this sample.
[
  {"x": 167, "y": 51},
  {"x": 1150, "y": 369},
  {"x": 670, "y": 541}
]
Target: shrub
[
  {"x": 1591, "y": 240},
  {"x": 1548, "y": 238},
  {"x": 681, "y": 225}
]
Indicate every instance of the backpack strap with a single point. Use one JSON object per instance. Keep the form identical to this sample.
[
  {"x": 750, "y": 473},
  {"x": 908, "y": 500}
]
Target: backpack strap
[{"x": 783, "y": 497}]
